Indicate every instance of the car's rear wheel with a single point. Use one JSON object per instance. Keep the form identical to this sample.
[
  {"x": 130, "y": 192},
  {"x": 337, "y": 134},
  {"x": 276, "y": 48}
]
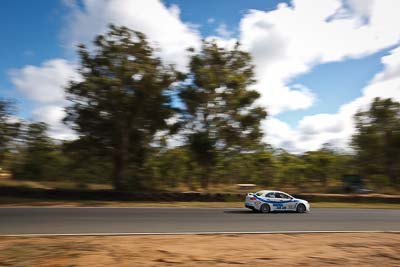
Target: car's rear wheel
[
  {"x": 265, "y": 208},
  {"x": 301, "y": 208}
]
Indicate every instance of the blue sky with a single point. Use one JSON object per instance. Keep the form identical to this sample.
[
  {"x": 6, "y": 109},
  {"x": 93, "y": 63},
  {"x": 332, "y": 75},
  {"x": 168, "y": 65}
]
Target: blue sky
[
  {"x": 222, "y": 11},
  {"x": 306, "y": 80},
  {"x": 32, "y": 37},
  {"x": 32, "y": 31},
  {"x": 336, "y": 83}
]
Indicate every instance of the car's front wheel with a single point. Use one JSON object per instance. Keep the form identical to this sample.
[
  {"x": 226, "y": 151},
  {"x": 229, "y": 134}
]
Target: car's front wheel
[
  {"x": 265, "y": 208},
  {"x": 301, "y": 208}
]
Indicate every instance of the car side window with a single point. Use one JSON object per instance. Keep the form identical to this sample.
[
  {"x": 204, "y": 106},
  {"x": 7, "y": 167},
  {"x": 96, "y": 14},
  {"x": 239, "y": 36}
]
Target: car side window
[
  {"x": 281, "y": 195},
  {"x": 270, "y": 195}
]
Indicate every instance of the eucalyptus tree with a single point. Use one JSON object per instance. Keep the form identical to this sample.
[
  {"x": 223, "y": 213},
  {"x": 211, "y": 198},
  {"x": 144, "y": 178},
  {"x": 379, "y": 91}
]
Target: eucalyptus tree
[
  {"x": 9, "y": 128},
  {"x": 122, "y": 100},
  {"x": 219, "y": 106},
  {"x": 377, "y": 139}
]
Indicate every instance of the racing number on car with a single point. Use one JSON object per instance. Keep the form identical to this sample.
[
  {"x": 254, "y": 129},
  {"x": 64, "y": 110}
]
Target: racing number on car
[
  {"x": 290, "y": 205},
  {"x": 279, "y": 206}
]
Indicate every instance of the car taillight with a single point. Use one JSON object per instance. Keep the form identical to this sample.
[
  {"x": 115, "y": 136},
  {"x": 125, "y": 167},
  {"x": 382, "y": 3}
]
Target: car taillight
[{"x": 252, "y": 198}]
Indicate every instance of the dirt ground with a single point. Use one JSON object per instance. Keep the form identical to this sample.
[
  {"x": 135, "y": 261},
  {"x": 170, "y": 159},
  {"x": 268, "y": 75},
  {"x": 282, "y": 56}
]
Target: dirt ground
[{"x": 344, "y": 249}]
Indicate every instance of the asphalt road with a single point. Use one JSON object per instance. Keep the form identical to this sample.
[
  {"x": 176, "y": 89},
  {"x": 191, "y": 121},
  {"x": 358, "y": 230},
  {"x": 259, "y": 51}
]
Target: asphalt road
[{"x": 172, "y": 220}]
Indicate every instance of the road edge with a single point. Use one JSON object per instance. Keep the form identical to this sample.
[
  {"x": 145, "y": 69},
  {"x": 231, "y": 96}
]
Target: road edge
[{"x": 196, "y": 233}]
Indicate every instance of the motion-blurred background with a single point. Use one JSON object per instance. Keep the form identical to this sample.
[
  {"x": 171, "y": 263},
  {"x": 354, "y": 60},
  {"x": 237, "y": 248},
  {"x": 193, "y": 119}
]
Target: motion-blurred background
[{"x": 211, "y": 97}]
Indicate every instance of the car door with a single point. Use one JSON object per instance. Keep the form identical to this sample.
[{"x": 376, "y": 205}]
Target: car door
[
  {"x": 270, "y": 198},
  {"x": 287, "y": 202},
  {"x": 278, "y": 202}
]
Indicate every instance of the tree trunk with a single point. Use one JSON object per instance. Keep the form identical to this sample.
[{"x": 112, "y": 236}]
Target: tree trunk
[
  {"x": 393, "y": 176},
  {"x": 206, "y": 177},
  {"x": 204, "y": 182},
  {"x": 391, "y": 159},
  {"x": 120, "y": 162}
]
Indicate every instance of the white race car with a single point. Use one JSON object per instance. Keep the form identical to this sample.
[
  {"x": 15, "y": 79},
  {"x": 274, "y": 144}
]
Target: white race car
[{"x": 267, "y": 200}]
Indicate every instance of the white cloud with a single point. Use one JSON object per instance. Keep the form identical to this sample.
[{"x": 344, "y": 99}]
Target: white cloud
[
  {"x": 53, "y": 115},
  {"x": 279, "y": 133},
  {"x": 45, "y": 86},
  {"x": 223, "y": 42},
  {"x": 290, "y": 40},
  {"x": 279, "y": 97},
  {"x": 337, "y": 129},
  {"x": 361, "y": 8},
  {"x": 222, "y": 30},
  {"x": 161, "y": 24},
  {"x": 44, "y": 83},
  {"x": 392, "y": 66}
]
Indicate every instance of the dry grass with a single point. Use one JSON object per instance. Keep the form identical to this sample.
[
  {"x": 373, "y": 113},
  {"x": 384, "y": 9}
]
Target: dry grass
[
  {"x": 21, "y": 202},
  {"x": 203, "y": 250},
  {"x": 53, "y": 184}
]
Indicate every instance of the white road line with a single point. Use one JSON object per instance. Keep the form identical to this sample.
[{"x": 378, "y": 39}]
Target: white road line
[{"x": 194, "y": 233}]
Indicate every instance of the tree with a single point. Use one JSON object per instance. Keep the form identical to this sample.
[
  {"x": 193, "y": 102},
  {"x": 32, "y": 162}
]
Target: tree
[
  {"x": 377, "y": 139},
  {"x": 320, "y": 165},
  {"x": 255, "y": 167},
  {"x": 122, "y": 101},
  {"x": 290, "y": 169},
  {"x": 85, "y": 165},
  {"x": 170, "y": 167},
  {"x": 220, "y": 113},
  {"x": 40, "y": 158},
  {"x": 8, "y": 129}
]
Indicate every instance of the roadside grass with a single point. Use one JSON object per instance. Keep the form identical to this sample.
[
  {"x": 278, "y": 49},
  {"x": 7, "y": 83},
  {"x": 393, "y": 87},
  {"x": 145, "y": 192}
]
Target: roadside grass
[
  {"x": 53, "y": 184},
  {"x": 26, "y": 202},
  {"x": 312, "y": 187}
]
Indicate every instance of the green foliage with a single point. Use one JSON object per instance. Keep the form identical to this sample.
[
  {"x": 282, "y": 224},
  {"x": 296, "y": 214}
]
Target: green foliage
[
  {"x": 170, "y": 168},
  {"x": 220, "y": 114},
  {"x": 122, "y": 104},
  {"x": 254, "y": 167},
  {"x": 379, "y": 181},
  {"x": 8, "y": 130},
  {"x": 39, "y": 157},
  {"x": 377, "y": 140},
  {"x": 291, "y": 169},
  {"x": 122, "y": 100},
  {"x": 85, "y": 165},
  {"x": 320, "y": 164}
]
